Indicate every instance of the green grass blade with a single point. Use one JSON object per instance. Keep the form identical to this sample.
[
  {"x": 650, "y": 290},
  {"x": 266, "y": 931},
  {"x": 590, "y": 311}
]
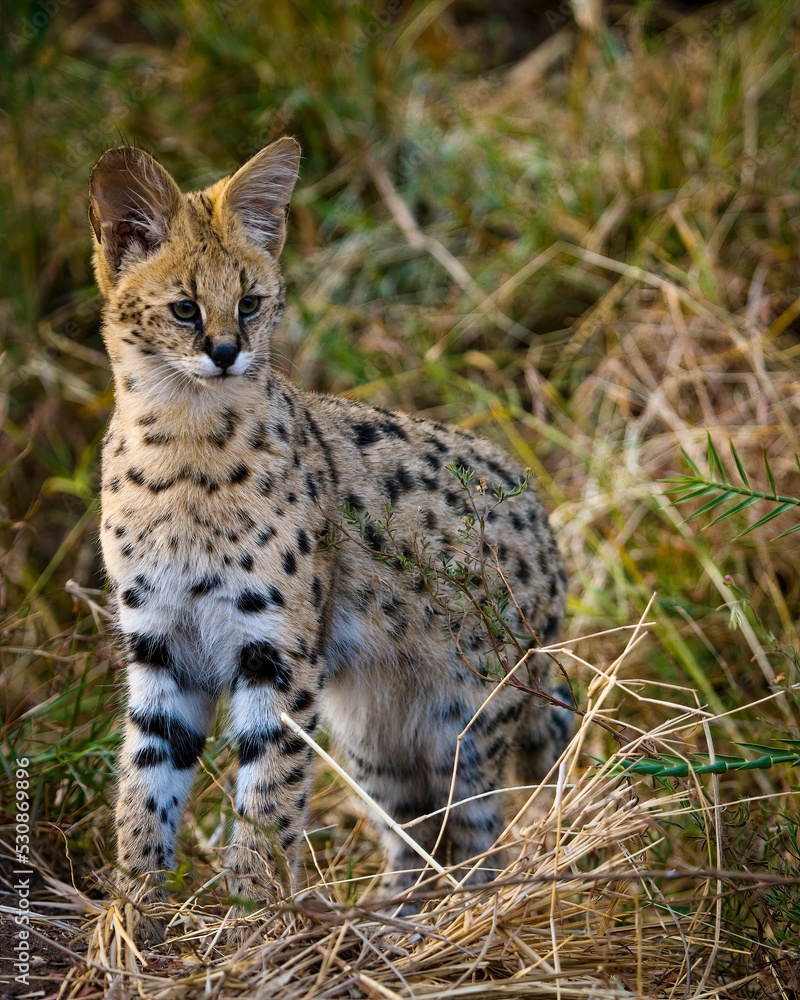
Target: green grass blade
[
  {"x": 780, "y": 509},
  {"x": 718, "y": 767},
  {"x": 789, "y": 531},
  {"x": 715, "y": 462},
  {"x": 760, "y": 748},
  {"x": 739, "y": 506},
  {"x": 712, "y": 504},
  {"x": 692, "y": 466},
  {"x": 770, "y": 477},
  {"x": 739, "y": 465},
  {"x": 759, "y": 764},
  {"x": 693, "y": 494},
  {"x": 684, "y": 481}
]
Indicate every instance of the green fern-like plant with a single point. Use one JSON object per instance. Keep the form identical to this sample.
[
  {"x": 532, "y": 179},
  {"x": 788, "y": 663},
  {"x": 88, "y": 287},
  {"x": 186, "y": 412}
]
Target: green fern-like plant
[
  {"x": 669, "y": 766},
  {"x": 718, "y": 486}
]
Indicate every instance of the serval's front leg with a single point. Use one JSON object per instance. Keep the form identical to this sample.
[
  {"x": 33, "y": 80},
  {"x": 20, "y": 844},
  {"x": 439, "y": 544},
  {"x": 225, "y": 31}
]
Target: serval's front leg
[
  {"x": 167, "y": 725},
  {"x": 274, "y": 769}
]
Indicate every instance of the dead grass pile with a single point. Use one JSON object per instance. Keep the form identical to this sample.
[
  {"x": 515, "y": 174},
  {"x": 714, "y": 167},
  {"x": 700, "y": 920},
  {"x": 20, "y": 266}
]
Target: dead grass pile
[
  {"x": 579, "y": 910},
  {"x": 591, "y": 256}
]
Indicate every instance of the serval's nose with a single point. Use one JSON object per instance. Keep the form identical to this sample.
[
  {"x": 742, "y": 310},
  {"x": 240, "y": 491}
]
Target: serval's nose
[{"x": 223, "y": 354}]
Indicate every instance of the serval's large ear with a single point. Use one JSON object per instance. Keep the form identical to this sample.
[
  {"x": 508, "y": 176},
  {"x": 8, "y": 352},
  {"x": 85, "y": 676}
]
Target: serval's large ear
[
  {"x": 132, "y": 199},
  {"x": 258, "y": 194}
]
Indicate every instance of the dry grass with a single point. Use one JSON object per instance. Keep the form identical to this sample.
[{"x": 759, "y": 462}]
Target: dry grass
[
  {"x": 579, "y": 911},
  {"x": 590, "y": 255}
]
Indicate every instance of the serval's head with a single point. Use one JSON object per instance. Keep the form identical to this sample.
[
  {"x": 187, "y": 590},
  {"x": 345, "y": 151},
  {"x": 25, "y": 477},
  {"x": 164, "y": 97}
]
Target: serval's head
[{"x": 192, "y": 282}]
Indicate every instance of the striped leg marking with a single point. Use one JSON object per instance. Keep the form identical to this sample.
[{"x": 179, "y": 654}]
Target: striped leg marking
[{"x": 165, "y": 734}]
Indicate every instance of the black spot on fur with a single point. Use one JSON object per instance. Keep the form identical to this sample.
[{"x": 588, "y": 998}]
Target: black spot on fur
[
  {"x": 355, "y": 503},
  {"x": 496, "y": 746},
  {"x": 405, "y": 479},
  {"x": 499, "y": 471},
  {"x": 206, "y": 585},
  {"x": 247, "y": 522},
  {"x": 440, "y": 446},
  {"x": 457, "y": 502},
  {"x": 253, "y": 745},
  {"x": 391, "y": 488},
  {"x": 136, "y": 476},
  {"x": 258, "y": 439},
  {"x": 302, "y": 701},
  {"x": 291, "y": 745},
  {"x": 162, "y": 484},
  {"x": 238, "y": 474},
  {"x": 251, "y": 602},
  {"x": 392, "y": 428},
  {"x": 365, "y": 433},
  {"x": 374, "y": 538},
  {"x": 303, "y": 541},
  {"x": 133, "y": 597},
  {"x": 325, "y": 449},
  {"x": 206, "y": 482},
  {"x": 266, "y": 534},
  {"x": 261, "y": 663},
  {"x": 152, "y": 650},
  {"x": 549, "y": 631},
  {"x": 316, "y": 592},
  {"x": 246, "y": 561},
  {"x": 183, "y": 743},
  {"x": 222, "y": 436},
  {"x": 148, "y": 757},
  {"x": 158, "y": 437},
  {"x": 289, "y": 562}
]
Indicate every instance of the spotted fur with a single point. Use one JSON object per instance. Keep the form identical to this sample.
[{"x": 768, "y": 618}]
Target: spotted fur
[{"x": 222, "y": 488}]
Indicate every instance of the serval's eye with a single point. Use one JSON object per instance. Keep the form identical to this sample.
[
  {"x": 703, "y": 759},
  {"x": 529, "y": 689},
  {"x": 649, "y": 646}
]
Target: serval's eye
[
  {"x": 248, "y": 305},
  {"x": 185, "y": 309}
]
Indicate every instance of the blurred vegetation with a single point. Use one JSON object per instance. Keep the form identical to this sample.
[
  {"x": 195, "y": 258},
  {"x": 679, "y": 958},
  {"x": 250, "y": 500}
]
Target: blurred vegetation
[{"x": 589, "y": 253}]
